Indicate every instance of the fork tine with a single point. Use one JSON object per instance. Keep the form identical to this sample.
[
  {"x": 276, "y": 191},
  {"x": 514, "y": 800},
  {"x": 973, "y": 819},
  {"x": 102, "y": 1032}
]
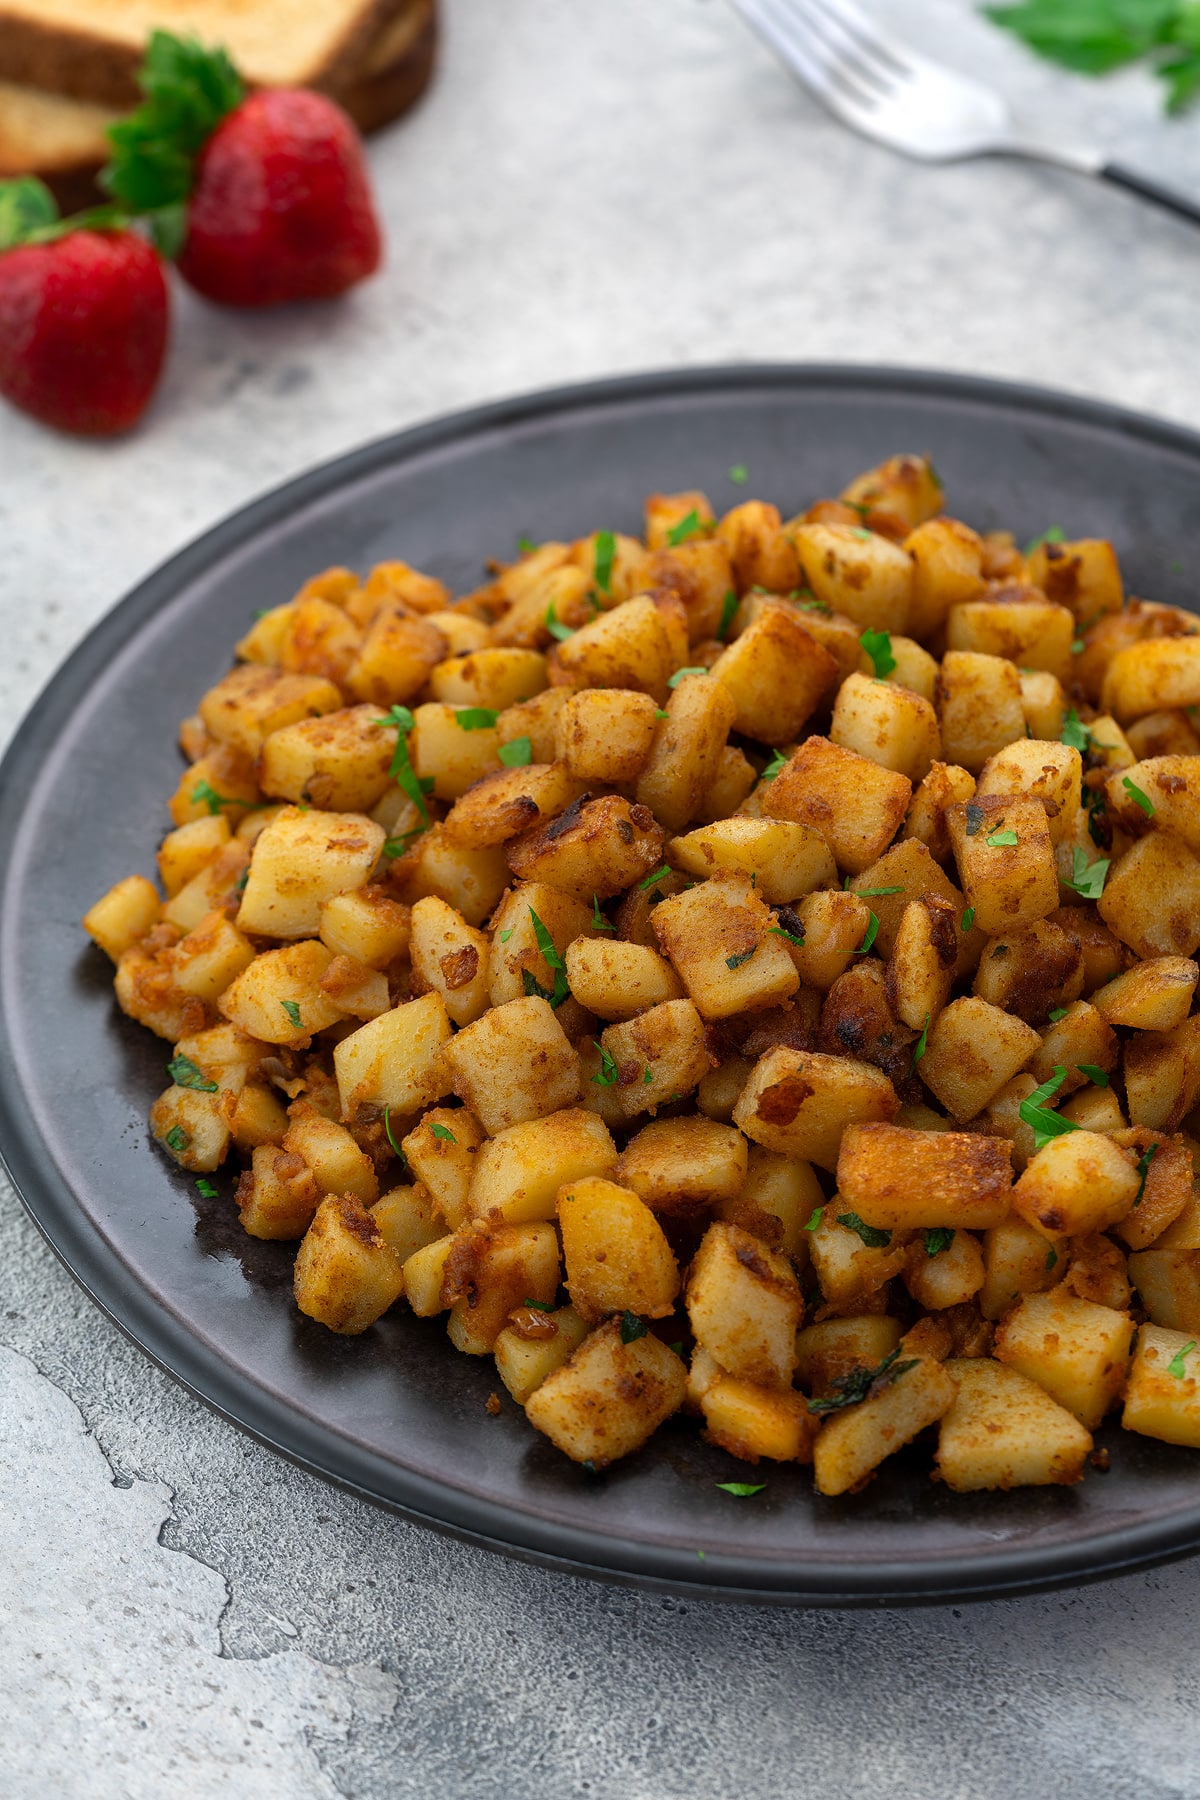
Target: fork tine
[
  {"x": 823, "y": 67},
  {"x": 781, "y": 35},
  {"x": 843, "y": 49},
  {"x": 868, "y": 36}
]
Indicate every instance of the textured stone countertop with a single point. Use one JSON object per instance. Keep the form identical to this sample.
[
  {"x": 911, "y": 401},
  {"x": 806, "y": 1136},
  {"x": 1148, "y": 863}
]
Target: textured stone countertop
[{"x": 589, "y": 189}]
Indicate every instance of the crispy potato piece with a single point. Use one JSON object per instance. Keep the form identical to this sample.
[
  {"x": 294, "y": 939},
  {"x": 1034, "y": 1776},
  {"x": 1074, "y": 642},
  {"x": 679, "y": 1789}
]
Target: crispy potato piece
[
  {"x": 123, "y": 916},
  {"x": 1077, "y": 1183},
  {"x": 500, "y": 806},
  {"x": 973, "y": 1048},
  {"x": 1033, "y": 972},
  {"x": 1154, "y": 996},
  {"x": 252, "y": 702},
  {"x": 1007, "y": 883},
  {"x": 1017, "y": 1261},
  {"x": 1051, "y": 773},
  {"x": 785, "y": 860},
  {"x": 944, "y": 785},
  {"x": 858, "y": 573},
  {"x": 609, "y": 1397},
  {"x": 1148, "y": 676},
  {"x": 799, "y": 1103},
  {"x": 629, "y": 647},
  {"x": 493, "y": 678},
  {"x": 1172, "y": 786},
  {"x": 407, "y": 1219},
  {"x": 947, "y": 559},
  {"x": 1004, "y": 1431},
  {"x": 921, "y": 968},
  {"x": 777, "y": 674},
  {"x": 856, "y": 805},
  {"x": 1162, "y": 1398},
  {"x": 605, "y": 734},
  {"x": 366, "y": 923},
  {"x": 907, "y": 487},
  {"x": 659, "y": 1056},
  {"x": 751, "y": 1421},
  {"x": 686, "y": 751},
  {"x": 679, "y": 1165},
  {"x": 1151, "y": 899},
  {"x": 277, "y": 1195},
  {"x": 1077, "y": 1351},
  {"x": 279, "y": 998},
  {"x": 832, "y": 925},
  {"x": 718, "y": 936},
  {"x": 979, "y": 707},
  {"x": 301, "y": 860},
  {"x": 894, "y": 1178},
  {"x": 887, "y": 724},
  {"x": 1017, "y": 623},
  {"x": 443, "y": 1160},
  {"x": 616, "y": 980},
  {"x": 1162, "y": 1075},
  {"x": 395, "y": 1061},
  {"x": 523, "y": 1361},
  {"x": 1166, "y": 1172},
  {"x": 347, "y": 1275},
  {"x": 596, "y": 847},
  {"x": 913, "y": 1393},
  {"x": 518, "y": 1173},
  {"x": 1083, "y": 575},
  {"x": 744, "y": 1306},
  {"x": 617, "y": 1257},
  {"x": 836, "y": 1347},
  {"x": 454, "y": 755},
  {"x": 185, "y": 851},
  {"x": 513, "y": 1064},
  {"x": 491, "y": 1269}
]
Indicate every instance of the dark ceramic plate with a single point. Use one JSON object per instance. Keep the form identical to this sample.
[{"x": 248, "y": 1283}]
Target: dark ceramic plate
[{"x": 396, "y": 1415}]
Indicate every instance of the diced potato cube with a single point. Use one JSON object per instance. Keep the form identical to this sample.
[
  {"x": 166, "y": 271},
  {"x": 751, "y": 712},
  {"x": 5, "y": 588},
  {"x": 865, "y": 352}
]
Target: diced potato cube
[
  {"x": 907, "y": 487},
  {"x": 687, "y": 749},
  {"x": 451, "y": 958},
  {"x": 1017, "y": 1261},
  {"x": 279, "y": 997},
  {"x": 913, "y": 1393},
  {"x": 777, "y": 674},
  {"x": 719, "y": 937},
  {"x": 277, "y": 1195},
  {"x": 516, "y": 955},
  {"x": 971, "y": 1051},
  {"x": 318, "y": 637},
  {"x": 618, "y": 980},
  {"x": 395, "y": 1061},
  {"x": 735, "y": 778},
  {"x": 492, "y": 1269},
  {"x": 858, "y": 573},
  {"x": 301, "y": 860},
  {"x": 785, "y": 860},
  {"x": 1034, "y": 971},
  {"x": 501, "y": 805},
  {"x": 1017, "y": 623},
  {"x": 1152, "y": 897},
  {"x": 744, "y": 1306},
  {"x": 666, "y": 513},
  {"x": 659, "y": 1056},
  {"x": 629, "y": 647},
  {"x": 979, "y": 706},
  {"x": 595, "y": 847},
  {"x": 448, "y": 745},
  {"x": 798, "y": 1103},
  {"x": 833, "y": 925},
  {"x": 1081, "y": 1038},
  {"x": 1166, "y": 1176},
  {"x": 947, "y": 559},
  {"x": 1168, "y": 1282},
  {"x": 1162, "y": 1075},
  {"x": 678, "y": 1165},
  {"x": 366, "y": 923},
  {"x": 1004, "y": 1431},
  {"x": 940, "y": 1275},
  {"x": 523, "y": 1361},
  {"x": 338, "y": 762},
  {"x": 210, "y": 958},
  {"x": 123, "y": 916},
  {"x": 472, "y": 881},
  {"x": 1008, "y": 883},
  {"x": 894, "y": 1178},
  {"x": 513, "y": 1064},
  {"x": 258, "y": 1117},
  {"x": 493, "y": 678},
  {"x": 887, "y": 724},
  {"x": 1162, "y": 1399},
  {"x": 186, "y": 850},
  {"x": 836, "y": 1347},
  {"x": 337, "y": 1163},
  {"x": 776, "y": 1202},
  {"x": 408, "y": 1219},
  {"x": 440, "y": 1151},
  {"x": 518, "y": 1172},
  {"x": 1043, "y": 703},
  {"x": 1052, "y": 773},
  {"x": 851, "y": 1273},
  {"x": 856, "y": 805},
  {"x": 945, "y": 785},
  {"x": 424, "y": 1273},
  {"x": 610, "y": 1397},
  {"x": 1082, "y": 574},
  {"x": 752, "y": 1421},
  {"x": 760, "y": 552},
  {"x": 346, "y": 1273},
  {"x": 617, "y": 1257},
  {"x": 1075, "y": 1183},
  {"x": 1154, "y": 996},
  {"x": 921, "y": 970},
  {"x": 1172, "y": 786},
  {"x": 395, "y": 657},
  {"x": 1077, "y": 1351},
  {"x": 605, "y": 734},
  {"x": 537, "y": 720},
  {"x": 251, "y": 702},
  {"x": 216, "y": 884},
  {"x": 1157, "y": 673},
  {"x": 192, "y": 1125}
]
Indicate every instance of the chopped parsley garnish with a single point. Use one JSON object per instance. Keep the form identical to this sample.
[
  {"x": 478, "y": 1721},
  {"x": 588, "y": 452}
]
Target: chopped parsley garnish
[
  {"x": 936, "y": 1239},
  {"x": 810, "y": 605},
  {"x": 475, "y": 718},
  {"x": 599, "y": 922},
  {"x": 1093, "y": 1073},
  {"x": 185, "y": 1074},
  {"x": 647, "y": 1076},
  {"x": 652, "y": 880},
  {"x": 871, "y": 1236},
  {"x": 871, "y": 892},
  {"x": 679, "y": 674},
  {"x": 1177, "y": 1367},
  {"x": 1034, "y": 1113},
  {"x": 869, "y": 939},
  {"x": 1001, "y": 840},
  {"x": 854, "y": 1386},
  {"x": 609, "y": 1073},
  {"x": 660, "y": 712},
  {"x": 398, "y": 846},
  {"x": 741, "y": 1490},
  {"x": 538, "y": 1305},
  {"x": 505, "y": 935},
  {"x": 602, "y": 560},
  {"x": 387, "y": 1126},
  {"x": 526, "y": 546},
  {"x": 517, "y": 754},
  {"x": 177, "y": 1139},
  {"x": 632, "y": 1328},
  {"x": 292, "y": 1009},
  {"x": 920, "y": 1045},
  {"x": 858, "y": 532},
  {"x": 777, "y": 762},
  {"x": 691, "y": 525},
  {"x": 555, "y": 626},
  {"x": 1087, "y": 878},
  {"x": 878, "y": 646},
  {"x": 1000, "y": 950},
  {"x": 974, "y": 818},
  {"x": 1053, "y": 534},
  {"x": 967, "y": 920},
  {"x": 1143, "y": 1169},
  {"x": 1051, "y": 1258},
  {"x": 739, "y": 474},
  {"x": 728, "y": 607},
  {"x": 205, "y": 794},
  {"x": 740, "y": 957},
  {"x": 1075, "y": 734},
  {"x": 443, "y": 1131},
  {"x": 1057, "y": 1013},
  {"x": 818, "y": 1213},
  {"x": 205, "y": 1189},
  {"x": 791, "y": 936},
  {"x": 402, "y": 771},
  {"x": 1137, "y": 796},
  {"x": 552, "y": 960}
]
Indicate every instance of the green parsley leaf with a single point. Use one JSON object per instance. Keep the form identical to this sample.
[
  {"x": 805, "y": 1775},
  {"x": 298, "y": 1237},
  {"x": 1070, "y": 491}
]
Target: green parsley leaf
[
  {"x": 690, "y": 526},
  {"x": 728, "y": 607},
  {"x": 526, "y": 546},
  {"x": 936, "y": 1239},
  {"x": 647, "y": 1076},
  {"x": 1093, "y": 1073},
  {"x": 609, "y": 1073},
  {"x": 1137, "y": 796},
  {"x": 791, "y": 936},
  {"x": 854, "y": 1386},
  {"x": 1059, "y": 1012},
  {"x": 974, "y": 818},
  {"x": 538, "y": 1305},
  {"x": 205, "y": 1189},
  {"x": 742, "y": 1490},
  {"x": 599, "y": 922},
  {"x": 602, "y": 560},
  {"x": 632, "y": 1328},
  {"x": 443, "y": 1131},
  {"x": 292, "y": 1009},
  {"x": 400, "y": 720},
  {"x": 679, "y": 674},
  {"x": 818, "y": 1213},
  {"x": 1001, "y": 840},
  {"x": 505, "y": 935},
  {"x": 652, "y": 880},
  {"x": 967, "y": 920},
  {"x": 1000, "y": 950},
  {"x": 858, "y": 532},
  {"x": 177, "y": 1139},
  {"x": 920, "y": 1045},
  {"x": 1177, "y": 1367},
  {"x": 517, "y": 754},
  {"x": 1087, "y": 878},
  {"x": 1051, "y": 1258},
  {"x": 387, "y": 1126},
  {"x": 205, "y": 794},
  {"x": 1034, "y": 1113},
  {"x": 869, "y": 939},
  {"x": 739, "y": 474},
  {"x": 1075, "y": 734},
  {"x": 777, "y": 762},
  {"x": 555, "y": 627},
  {"x": 185, "y": 1074},
  {"x": 1143, "y": 1169},
  {"x": 820, "y": 606},
  {"x": 741, "y": 956},
  {"x": 871, "y": 892},
  {"x": 1053, "y": 534},
  {"x": 878, "y": 646},
  {"x": 398, "y": 846},
  {"x": 871, "y": 1236},
  {"x": 475, "y": 718},
  {"x": 661, "y": 713}
]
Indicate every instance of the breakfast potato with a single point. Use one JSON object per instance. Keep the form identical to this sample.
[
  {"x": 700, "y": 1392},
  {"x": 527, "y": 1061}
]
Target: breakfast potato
[
  {"x": 1077, "y": 1351},
  {"x": 751, "y": 1421},
  {"x": 913, "y": 1393},
  {"x": 278, "y": 996},
  {"x": 686, "y": 752},
  {"x": 655, "y": 1058},
  {"x": 513, "y": 1064},
  {"x": 945, "y": 785},
  {"x": 679, "y": 1165},
  {"x": 1156, "y": 995},
  {"x": 502, "y": 805},
  {"x": 784, "y": 860},
  {"x": 854, "y": 803},
  {"x": 451, "y": 958},
  {"x": 1162, "y": 1075},
  {"x": 1019, "y": 624},
  {"x": 301, "y": 860},
  {"x": 1051, "y": 773},
  {"x": 833, "y": 924},
  {"x": 629, "y": 647},
  {"x": 395, "y": 1061},
  {"x": 947, "y": 558},
  {"x": 973, "y": 1048},
  {"x": 858, "y": 573},
  {"x": 450, "y": 746},
  {"x": 1148, "y": 676},
  {"x": 775, "y": 1202},
  {"x": 617, "y": 1257},
  {"x": 252, "y": 702},
  {"x": 1082, "y": 574},
  {"x": 1032, "y": 972},
  {"x": 834, "y": 1348},
  {"x": 605, "y": 734},
  {"x": 887, "y": 724},
  {"x": 123, "y": 916},
  {"x": 609, "y": 1397},
  {"x": 347, "y": 1275},
  {"x": 1151, "y": 899},
  {"x": 798, "y": 1104},
  {"x": 1078, "y": 1040},
  {"x": 534, "y": 1345},
  {"x": 920, "y": 970},
  {"x": 1005, "y": 860},
  {"x": 776, "y": 673},
  {"x": 718, "y": 937},
  {"x": 517, "y": 1174},
  {"x": 184, "y": 852},
  {"x": 907, "y": 487},
  {"x": 1162, "y": 1398},
  {"x": 490, "y": 1270},
  {"x": 744, "y": 1306},
  {"x": 597, "y": 847},
  {"x": 1004, "y": 1431},
  {"x": 366, "y": 923},
  {"x": 1017, "y": 1260},
  {"x": 979, "y": 707},
  {"x": 897, "y": 1179},
  {"x": 616, "y": 980},
  {"x": 395, "y": 657},
  {"x": 1044, "y": 704},
  {"x": 1171, "y": 785},
  {"x": 277, "y": 1195}
]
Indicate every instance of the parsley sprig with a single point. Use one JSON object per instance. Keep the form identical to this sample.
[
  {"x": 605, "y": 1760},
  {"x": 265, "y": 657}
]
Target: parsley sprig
[
  {"x": 1093, "y": 37},
  {"x": 878, "y": 646},
  {"x": 400, "y": 720},
  {"x": 550, "y": 956},
  {"x": 857, "y": 1384},
  {"x": 1034, "y": 1112}
]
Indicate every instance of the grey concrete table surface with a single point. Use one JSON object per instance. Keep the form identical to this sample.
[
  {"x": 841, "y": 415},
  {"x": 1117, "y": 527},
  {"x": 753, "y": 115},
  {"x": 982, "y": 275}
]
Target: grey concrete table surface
[{"x": 588, "y": 190}]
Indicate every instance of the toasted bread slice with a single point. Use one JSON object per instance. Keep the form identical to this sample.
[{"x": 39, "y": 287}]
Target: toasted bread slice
[
  {"x": 91, "y": 49},
  {"x": 62, "y": 139}
]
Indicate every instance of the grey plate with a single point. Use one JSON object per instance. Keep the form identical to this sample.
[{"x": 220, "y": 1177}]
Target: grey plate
[{"x": 396, "y": 1415}]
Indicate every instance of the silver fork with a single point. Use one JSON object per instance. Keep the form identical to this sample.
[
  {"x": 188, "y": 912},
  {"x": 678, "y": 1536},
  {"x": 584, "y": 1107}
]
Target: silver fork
[{"x": 913, "y": 104}]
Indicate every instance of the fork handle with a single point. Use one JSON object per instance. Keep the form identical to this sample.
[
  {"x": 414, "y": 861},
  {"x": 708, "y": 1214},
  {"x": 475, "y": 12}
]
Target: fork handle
[{"x": 1154, "y": 191}]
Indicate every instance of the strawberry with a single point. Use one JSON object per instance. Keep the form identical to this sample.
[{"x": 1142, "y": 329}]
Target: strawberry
[
  {"x": 83, "y": 316},
  {"x": 262, "y": 199},
  {"x": 281, "y": 209}
]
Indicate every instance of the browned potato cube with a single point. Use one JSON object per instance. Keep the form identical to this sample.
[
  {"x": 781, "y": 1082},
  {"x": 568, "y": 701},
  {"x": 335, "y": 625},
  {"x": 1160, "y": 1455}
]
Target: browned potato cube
[
  {"x": 395, "y": 657},
  {"x": 776, "y": 673},
  {"x": 1162, "y": 1399},
  {"x": 1172, "y": 786},
  {"x": 536, "y": 1344},
  {"x": 501, "y": 805},
  {"x": 947, "y": 559},
  {"x": 945, "y": 785},
  {"x": 517, "y": 959},
  {"x": 687, "y": 749},
  {"x": 1163, "y": 734},
  {"x": 490, "y": 1270},
  {"x": 1152, "y": 897},
  {"x": 798, "y": 1103},
  {"x": 908, "y": 487},
  {"x": 367, "y": 924},
  {"x": 1017, "y": 623},
  {"x": 836, "y": 1347},
  {"x": 394, "y": 1061},
  {"x": 617, "y": 1257},
  {"x": 318, "y": 637},
  {"x": 537, "y": 720},
  {"x": 776, "y": 1202},
  {"x": 858, "y": 573},
  {"x": 1043, "y": 703},
  {"x": 277, "y": 1195},
  {"x": 278, "y": 997},
  {"x": 1052, "y": 773},
  {"x": 1168, "y": 1282},
  {"x": 301, "y": 860},
  {"x": 610, "y": 1397},
  {"x": 888, "y": 724},
  {"x": 184, "y": 852},
  {"x": 735, "y": 778},
  {"x": 659, "y": 1056},
  {"x": 856, "y": 805},
  {"x": 752, "y": 1421},
  {"x": 452, "y": 754},
  {"x": 1077, "y": 1351},
  {"x": 518, "y": 1173},
  {"x": 1005, "y": 861},
  {"x": 470, "y": 880},
  {"x": 971, "y": 1051},
  {"x": 1162, "y": 1075},
  {"x": 338, "y": 762},
  {"x": 1083, "y": 575},
  {"x": 979, "y": 706},
  {"x": 899, "y": 1179},
  {"x": 921, "y": 970},
  {"x": 629, "y": 647},
  {"x": 1160, "y": 672},
  {"x": 852, "y": 1273},
  {"x": 513, "y": 1064},
  {"x": 1032, "y": 972},
  {"x": 1166, "y": 1175},
  {"x": 493, "y": 678},
  {"x": 677, "y": 518},
  {"x": 123, "y": 916},
  {"x": 251, "y": 702},
  {"x": 616, "y": 980},
  {"x": 450, "y": 958},
  {"x": 605, "y": 734},
  {"x": 913, "y": 1393},
  {"x": 1017, "y": 1261},
  {"x": 596, "y": 847},
  {"x": 940, "y": 1274},
  {"x": 719, "y": 938},
  {"x": 760, "y": 553},
  {"x": 1154, "y": 996},
  {"x": 833, "y": 925},
  {"x": 785, "y": 860},
  {"x": 1004, "y": 1431},
  {"x": 1079, "y": 1040},
  {"x": 337, "y": 1163},
  {"x": 1077, "y": 1183},
  {"x": 441, "y": 1152},
  {"x": 744, "y": 1306},
  {"x": 408, "y": 1219},
  {"x": 193, "y": 1126},
  {"x": 347, "y": 1275},
  {"x": 681, "y": 1165}
]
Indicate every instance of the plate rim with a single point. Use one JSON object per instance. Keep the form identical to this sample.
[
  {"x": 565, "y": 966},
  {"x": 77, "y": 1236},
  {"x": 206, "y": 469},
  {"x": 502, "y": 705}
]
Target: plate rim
[{"x": 232, "y": 1392}]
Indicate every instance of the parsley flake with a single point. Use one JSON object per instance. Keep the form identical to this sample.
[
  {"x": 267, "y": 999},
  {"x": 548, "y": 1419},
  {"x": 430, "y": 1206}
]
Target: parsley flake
[
  {"x": 185, "y": 1074},
  {"x": 1059, "y": 1012},
  {"x": 205, "y": 1189},
  {"x": 691, "y": 525},
  {"x": 869, "y": 939},
  {"x": 292, "y": 1009},
  {"x": 728, "y": 607},
  {"x": 517, "y": 754},
  {"x": 387, "y": 1126},
  {"x": 526, "y": 546},
  {"x": 398, "y": 846},
  {"x": 1143, "y": 1169},
  {"x": 660, "y": 712},
  {"x": 205, "y": 794},
  {"x": 1075, "y": 734},
  {"x": 742, "y": 1490},
  {"x": 871, "y": 892},
  {"x": 1093, "y": 1073},
  {"x": 599, "y": 922},
  {"x": 538, "y": 1305},
  {"x": 632, "y": 1328},
  {"x": 505, "y": 935},
  {"x": 1177, "y": 1366},
  {"x": 177, "y": 1139},
  {"x": 791, "y": 936},
  {"x": 652, "y": 880},
  {"x": 777, "y": 762},
  {"x": 555, "y": 626},
  {"x": 475, "y": 718},
  {"x": 740, "y": 957},
  {"x": 1087, "y": 878},
  {"x": 1051, "y": 1258},
  {"x": 647, "y": 1076},
  {"x": 1034, "y": 1113},
  {"x": 967, "y": 920},
  {"x": 818, "y": 1213},
  {"x": 739, "y": 474},
  {"x": 679, "y": 674},
  {"x": 609, "y": 1073},
  {"x": 402, "y": 772},
  {"x": 553, "y": 960},
  {"x": 1001, "y": 840},
  {"x": 878, "y": 646},
  {"x": 602, "y": 560},
  {"x": 871, "y": 1236},
  {"x": 1137, "y": 796},
  {"x": 1053, "y": 534},
  {"x": 849, "y": 1389},
  {"x": 443, "y": 1131},
  {"x": 936, "y": 1239},
  {"x": 920, "y": 1045}
]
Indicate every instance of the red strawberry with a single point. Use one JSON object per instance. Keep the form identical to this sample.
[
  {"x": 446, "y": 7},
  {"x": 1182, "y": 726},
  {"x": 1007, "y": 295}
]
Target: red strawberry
[
  {"x": 281, "y": 208},
  {"x": 83, "y": 329}
]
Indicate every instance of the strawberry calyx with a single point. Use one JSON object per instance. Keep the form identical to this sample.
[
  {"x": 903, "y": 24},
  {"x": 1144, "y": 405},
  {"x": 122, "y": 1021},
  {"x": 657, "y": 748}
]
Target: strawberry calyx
[{"x": 29, "y": 215}]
